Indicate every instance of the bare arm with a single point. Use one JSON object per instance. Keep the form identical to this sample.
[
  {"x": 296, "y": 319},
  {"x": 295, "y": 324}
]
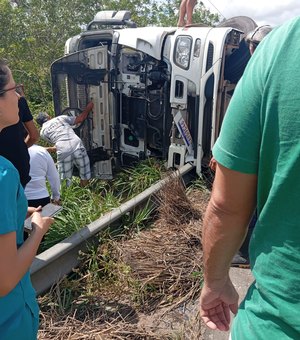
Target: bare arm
[
  {"x": 14, "y": 262},
  {"x": 31, "y": 210},
  {"x": 79, "y": 119},
  {"x": 53, "y": 178},
  {"x": 51, "y": 149},
  {"x": 33, "y": 133},
  {"x": 226, "y": 221}
]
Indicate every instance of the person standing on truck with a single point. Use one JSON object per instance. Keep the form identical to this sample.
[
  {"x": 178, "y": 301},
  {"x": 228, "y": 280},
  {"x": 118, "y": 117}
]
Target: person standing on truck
[
  {"x": 258, "y": 164},
  {"x": 13, "y": 144},
  {"x": 19, "y": 311},
  {"x": 68, "y": 146},
  {"x": 186, "y": 10}
]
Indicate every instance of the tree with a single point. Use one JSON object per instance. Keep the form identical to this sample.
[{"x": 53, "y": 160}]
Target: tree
[
  {"x": 36, "y": 32},
  {"x": 165, "y": 13}
]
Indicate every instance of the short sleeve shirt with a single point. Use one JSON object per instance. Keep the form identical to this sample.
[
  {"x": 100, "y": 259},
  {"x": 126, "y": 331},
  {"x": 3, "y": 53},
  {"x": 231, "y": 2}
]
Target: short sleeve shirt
[{"x": 12, "y": 214}]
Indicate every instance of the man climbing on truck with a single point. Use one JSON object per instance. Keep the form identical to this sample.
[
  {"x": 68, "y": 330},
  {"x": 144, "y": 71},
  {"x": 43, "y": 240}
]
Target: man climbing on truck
[{"x": 68, "y": 146}]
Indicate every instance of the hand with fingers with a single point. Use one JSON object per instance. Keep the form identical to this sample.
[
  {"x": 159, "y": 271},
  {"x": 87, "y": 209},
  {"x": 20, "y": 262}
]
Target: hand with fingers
[
  {"x": 216, "y": 302},
  {"x": 31, "y": 210},
  {"x": 56, "y": 201},
  {"x": 40, "y": 225}
]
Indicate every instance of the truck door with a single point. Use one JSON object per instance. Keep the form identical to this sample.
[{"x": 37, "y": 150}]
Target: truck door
[{"x": 77, "y": 79}]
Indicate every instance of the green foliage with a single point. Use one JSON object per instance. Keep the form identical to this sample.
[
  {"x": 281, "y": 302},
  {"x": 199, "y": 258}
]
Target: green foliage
[
  {"x": 82, "y": 206},
  {"x": 198, "y": 275},
  {"x": 204, "y": 16},
  {"x": 198, "y": 184},
  {"x": 34, "y": 33},
  {"x": 165, "y": 13},
  {"x": 140, "y": 11},
  {"x": 134, "y": 180},
  {"x": 62, "y": 295},
  {"x": 139, "y": 219}
]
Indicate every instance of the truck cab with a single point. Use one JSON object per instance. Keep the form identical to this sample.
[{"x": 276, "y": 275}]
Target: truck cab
[{"x": 157, "y": 91}]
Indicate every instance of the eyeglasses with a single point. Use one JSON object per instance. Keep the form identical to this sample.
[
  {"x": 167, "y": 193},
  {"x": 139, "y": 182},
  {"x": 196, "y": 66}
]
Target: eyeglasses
[
  {"x": 19, "y": 88},
  {"x": 265, "y": 29}
]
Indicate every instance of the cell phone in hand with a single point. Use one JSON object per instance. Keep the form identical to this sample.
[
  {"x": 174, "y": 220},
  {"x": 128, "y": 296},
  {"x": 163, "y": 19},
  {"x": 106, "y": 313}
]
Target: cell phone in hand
[{"x": 49, "y": 210}]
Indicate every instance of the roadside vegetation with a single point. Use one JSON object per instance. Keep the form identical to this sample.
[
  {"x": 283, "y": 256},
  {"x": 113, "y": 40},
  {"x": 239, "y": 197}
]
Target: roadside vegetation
[
  {"x": 141, "y": 282},
  {"x": 82, "y": 206},
  {"x": 128, "y": 286}
]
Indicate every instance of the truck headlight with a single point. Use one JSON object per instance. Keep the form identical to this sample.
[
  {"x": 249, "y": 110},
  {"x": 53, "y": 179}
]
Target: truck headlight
[{"x": 182, "y": 52}]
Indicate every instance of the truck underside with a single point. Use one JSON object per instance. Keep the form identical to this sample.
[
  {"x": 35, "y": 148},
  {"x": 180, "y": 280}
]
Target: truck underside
[{"x": 159, "y": 92}]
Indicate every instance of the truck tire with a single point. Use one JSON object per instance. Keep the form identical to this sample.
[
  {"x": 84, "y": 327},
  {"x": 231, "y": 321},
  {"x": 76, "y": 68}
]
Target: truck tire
[{"x": 242, "y": 23}]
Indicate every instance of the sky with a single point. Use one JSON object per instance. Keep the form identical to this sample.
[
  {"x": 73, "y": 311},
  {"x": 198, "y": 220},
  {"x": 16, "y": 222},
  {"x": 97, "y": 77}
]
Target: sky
[{"x": 263, "y": 12}]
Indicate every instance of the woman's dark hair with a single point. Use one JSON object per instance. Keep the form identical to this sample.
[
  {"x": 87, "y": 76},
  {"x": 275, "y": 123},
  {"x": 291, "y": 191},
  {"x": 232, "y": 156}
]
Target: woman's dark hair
[{"x": 4, "y": 75}]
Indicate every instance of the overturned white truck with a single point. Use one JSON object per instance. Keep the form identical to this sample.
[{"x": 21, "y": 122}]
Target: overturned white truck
[{"x": 157, "y": 91}]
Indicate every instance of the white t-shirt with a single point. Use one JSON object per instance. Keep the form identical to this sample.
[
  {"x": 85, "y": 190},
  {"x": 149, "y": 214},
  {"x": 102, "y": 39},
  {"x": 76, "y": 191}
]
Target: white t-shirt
[{"x": 42, "y": 167}]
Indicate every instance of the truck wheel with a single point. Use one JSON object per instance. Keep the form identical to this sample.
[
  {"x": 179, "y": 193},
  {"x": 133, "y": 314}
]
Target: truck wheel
[{"x": 242, "y": 23}]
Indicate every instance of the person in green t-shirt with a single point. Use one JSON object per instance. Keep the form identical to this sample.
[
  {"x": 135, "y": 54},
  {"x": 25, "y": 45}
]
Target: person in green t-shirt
[
  {"x": 258, "y": 164},
  {"x": 241, "y": 258}
]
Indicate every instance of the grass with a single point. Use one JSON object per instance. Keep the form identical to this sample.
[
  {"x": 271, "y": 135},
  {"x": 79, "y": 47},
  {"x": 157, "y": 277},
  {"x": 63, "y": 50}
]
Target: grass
[
  {"x": 82, "y": 206},
  {"x": 132, "y": 181}
]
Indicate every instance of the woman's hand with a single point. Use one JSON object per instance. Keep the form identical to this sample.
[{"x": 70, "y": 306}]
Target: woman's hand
[
  {"x": 31, "y": 210},
  {"x": 40, "y": 225},
  {"x": 56, "y": 202}
]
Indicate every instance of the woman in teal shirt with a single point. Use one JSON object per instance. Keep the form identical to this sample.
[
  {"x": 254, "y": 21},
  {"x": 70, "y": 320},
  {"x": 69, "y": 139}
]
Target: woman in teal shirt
[{"x": 18, "y": 305}]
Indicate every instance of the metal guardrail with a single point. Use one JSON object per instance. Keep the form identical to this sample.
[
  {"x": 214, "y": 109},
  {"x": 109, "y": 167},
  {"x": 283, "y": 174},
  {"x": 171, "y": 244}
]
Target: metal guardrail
[{"x": 53, "y": 264}]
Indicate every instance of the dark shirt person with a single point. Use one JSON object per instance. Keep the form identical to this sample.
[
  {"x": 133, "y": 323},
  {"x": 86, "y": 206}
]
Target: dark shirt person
[{"x": 13, "y": 144}]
